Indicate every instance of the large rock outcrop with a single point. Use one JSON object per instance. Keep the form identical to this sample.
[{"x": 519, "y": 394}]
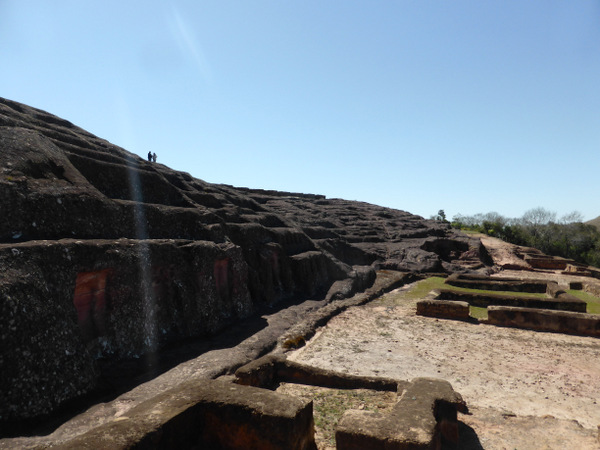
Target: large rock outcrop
[{"x": 104, "y": 255}]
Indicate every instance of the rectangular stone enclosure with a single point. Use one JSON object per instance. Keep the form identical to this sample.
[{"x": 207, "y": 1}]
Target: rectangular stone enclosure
[{"x": 213, "y": 414}]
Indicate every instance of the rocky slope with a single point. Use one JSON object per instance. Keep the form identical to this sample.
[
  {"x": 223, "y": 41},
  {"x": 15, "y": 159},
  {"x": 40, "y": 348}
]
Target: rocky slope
[
  {"x": 104, "y": 255},
  {"x": 595, "y": 222}
]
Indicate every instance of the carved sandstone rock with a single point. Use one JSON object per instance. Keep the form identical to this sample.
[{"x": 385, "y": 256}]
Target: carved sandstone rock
[{"x": 106, "y": 255}]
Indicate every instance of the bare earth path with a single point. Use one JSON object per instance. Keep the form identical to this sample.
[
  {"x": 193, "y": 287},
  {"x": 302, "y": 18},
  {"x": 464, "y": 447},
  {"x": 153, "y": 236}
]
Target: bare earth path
[{"x": 525, "y": 389}]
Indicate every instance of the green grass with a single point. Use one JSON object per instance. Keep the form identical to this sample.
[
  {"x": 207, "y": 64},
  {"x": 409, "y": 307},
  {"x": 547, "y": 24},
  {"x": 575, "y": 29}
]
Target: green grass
[
  {"x": 593, "y": 303},
  {"x": 482, "y": 291},
  {"x": 472, "y": 232},
  {"x": 329, "y": 405},
  {"x": 423, "y": 287},
  {"x": 478, "y": 312}
]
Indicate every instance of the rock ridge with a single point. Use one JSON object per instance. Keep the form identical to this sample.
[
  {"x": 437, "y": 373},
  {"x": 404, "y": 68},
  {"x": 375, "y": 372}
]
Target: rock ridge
[{"x": 104, "y": 255}]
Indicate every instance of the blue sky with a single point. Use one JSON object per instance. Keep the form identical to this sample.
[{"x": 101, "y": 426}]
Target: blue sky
[{"x": 466, "y": 106}]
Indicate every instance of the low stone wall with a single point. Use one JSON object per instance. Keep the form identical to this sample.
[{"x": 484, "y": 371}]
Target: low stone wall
[
  {"x": 424, "y": 417},
  {"x": 554, "y": 290},
  {"x": 579, "y": 270},
  {"x": 496, "y": 283},
  {"x": 445, "y": 309},
  {"x": 564, "y": 302},
  {"x": 208, "y": 414},
  {"x": 270, "y": 370},
  {"x": 593, "y": 289},
  {"x": 545, "y": 320},
  {"x": 547, "y": 262}
]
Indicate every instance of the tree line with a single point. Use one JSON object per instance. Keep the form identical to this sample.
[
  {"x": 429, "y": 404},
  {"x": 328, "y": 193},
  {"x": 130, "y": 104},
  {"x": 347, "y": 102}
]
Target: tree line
[{"x": 566, "y": 236}]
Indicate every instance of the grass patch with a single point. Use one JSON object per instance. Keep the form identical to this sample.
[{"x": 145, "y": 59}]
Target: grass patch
[
  {"x": 417, "y": 291},
  {"x": 329, "y": 405},
  {"x": 423, "y": 287},
  {"x": 477, "y": 312},
  {"x": 593, "y": 302},
  {"x": 486, "y": 292}
]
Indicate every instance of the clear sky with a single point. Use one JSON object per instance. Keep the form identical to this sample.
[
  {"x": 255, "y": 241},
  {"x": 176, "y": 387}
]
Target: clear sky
[{"x": 467, "y": 106}]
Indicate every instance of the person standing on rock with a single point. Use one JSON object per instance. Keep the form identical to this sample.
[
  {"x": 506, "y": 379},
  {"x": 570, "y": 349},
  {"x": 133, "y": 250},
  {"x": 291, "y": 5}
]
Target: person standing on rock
[
  {"x": 149, "y": 156},
  {"x": 154, "y": 157}
]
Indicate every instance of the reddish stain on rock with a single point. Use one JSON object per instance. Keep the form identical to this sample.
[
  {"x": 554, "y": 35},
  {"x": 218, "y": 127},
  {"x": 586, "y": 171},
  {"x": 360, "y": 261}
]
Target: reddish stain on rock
[
  {"x": 162, "y": 283},
  {"x": 221, "y": 273},
  {"x": 90, "y": 302}
]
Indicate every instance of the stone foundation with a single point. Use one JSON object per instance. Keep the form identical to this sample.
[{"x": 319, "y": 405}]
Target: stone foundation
[
  {"x": 547, "y": 262},
  {"x": 560, "y": 312},
  {"x": 424, "y": 417},
  {"x": 496, "y": 283},
  {"x": 563, "y": 302},
  {"x": 593, "y": 289},
  {"x": 268, "y": 371},
  {"x": 218, "y": 414},
  {"x": 545, "y": 320}
]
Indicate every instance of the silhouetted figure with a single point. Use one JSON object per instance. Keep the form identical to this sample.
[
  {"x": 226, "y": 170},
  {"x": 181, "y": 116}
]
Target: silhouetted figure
[
  {"x": 154, "y": 157},
  {"x": 150, "y": 157}
]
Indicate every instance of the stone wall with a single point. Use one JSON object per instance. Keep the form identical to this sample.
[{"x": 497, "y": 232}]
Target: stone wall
[
  {"x": 425, "y": 415},
  {"x": 544, "y": 320},
  {"x": 560, "y": 312},
  {"x": 563, "y": 302},
  {"x": 445, "y": 309},
  {"x": 592, "y": 288},
  {"x": 219, "y": 414},
  {"x": 471, "y": 281},
  {"x": 547, "y": 262}
]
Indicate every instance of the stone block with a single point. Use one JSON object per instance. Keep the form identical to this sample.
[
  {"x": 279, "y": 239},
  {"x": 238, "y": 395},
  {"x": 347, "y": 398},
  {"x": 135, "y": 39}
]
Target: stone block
[
  {"x": 547, "y": 262},
  {"x": 553, "y": 290},
  {"x": 545, "y": 320},
  {"x": 262, "y": 372},
  {"x": 425, "y": 417},
  {"x": 208, "y": 414},
  {"x": 271, "y": 370},
  {"x": 446, "y": 309}
]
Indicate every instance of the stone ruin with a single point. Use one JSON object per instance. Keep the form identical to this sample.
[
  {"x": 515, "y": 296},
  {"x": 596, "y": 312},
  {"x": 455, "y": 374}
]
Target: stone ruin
[
  {"x": 248, "y": 414},
  {"x": 558, "y": 312},
  {"x": 107, "y": 258}
]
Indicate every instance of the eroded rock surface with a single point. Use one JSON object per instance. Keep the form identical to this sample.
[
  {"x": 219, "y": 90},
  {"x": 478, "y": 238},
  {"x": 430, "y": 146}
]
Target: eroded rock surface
[{"x": 104, "y": 256}]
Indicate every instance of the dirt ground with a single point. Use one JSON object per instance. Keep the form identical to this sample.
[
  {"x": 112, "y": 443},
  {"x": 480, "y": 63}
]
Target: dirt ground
[{"x": 524, "y": 389}]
